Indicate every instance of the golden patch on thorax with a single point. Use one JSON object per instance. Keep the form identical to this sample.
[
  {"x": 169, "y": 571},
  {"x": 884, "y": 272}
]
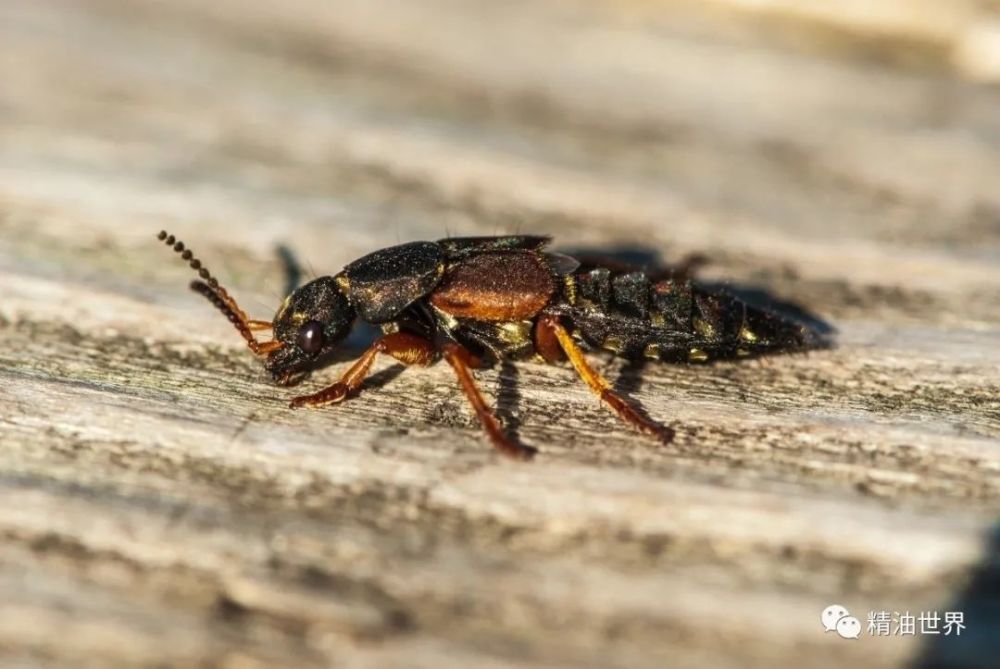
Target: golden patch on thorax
[
  {"x": 514, "y": 333},
  {"x": 500, "y": 286}
]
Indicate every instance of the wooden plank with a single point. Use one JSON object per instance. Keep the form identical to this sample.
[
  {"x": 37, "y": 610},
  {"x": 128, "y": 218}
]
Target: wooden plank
[{"x": 160, "y": 504}]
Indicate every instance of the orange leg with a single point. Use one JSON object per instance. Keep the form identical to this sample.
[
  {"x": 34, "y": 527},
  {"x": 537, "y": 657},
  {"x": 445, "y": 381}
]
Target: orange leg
[
  {"x": 547, "y": 345},
  {"x": 407, "y": 348},
  {"x": 600, "y": 385},
  {"x": 461, "y": 360}
]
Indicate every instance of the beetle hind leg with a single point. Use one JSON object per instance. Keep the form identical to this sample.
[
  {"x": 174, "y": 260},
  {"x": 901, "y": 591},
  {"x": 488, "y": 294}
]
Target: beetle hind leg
[{"x": 601, "y": 387}]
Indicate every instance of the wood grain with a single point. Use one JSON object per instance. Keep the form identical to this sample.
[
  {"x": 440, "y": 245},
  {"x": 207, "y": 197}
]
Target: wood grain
[{"x": 161, "y": 506}]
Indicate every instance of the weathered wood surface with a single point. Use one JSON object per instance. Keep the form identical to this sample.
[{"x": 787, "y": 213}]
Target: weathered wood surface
[{"x": 160, "y": 505}]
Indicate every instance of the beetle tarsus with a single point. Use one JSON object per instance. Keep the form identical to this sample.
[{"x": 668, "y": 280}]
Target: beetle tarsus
[{"x": 330, "y": 395}]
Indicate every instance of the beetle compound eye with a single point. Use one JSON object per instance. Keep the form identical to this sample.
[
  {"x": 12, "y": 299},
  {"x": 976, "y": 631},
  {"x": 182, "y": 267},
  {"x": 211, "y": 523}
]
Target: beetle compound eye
[{"x": 311, "y": 337}]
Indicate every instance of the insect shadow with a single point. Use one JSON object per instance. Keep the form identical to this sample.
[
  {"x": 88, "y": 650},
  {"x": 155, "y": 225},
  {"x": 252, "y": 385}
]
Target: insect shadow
[
  {"x": 291, "y": 267},
  {"x": 509, "y": 398},
  {"x": 978, "y": 645}
]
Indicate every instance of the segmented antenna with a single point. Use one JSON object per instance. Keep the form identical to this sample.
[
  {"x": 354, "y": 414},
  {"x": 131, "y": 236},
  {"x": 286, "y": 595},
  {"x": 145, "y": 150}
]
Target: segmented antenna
[
  {"x": 203, "y": 272},
  {"x": 206, "y": 291},
  {"x": 210, "y": 288}
]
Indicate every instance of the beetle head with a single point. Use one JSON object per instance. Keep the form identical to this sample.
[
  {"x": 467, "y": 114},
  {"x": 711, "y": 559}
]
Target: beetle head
[{"x": 310, "y": 323}]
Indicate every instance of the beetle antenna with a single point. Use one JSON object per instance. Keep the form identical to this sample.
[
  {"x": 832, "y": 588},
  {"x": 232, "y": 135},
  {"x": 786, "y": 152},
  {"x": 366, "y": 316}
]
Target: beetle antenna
[
  {"x": 206, "y": 291},
  {"x": 210, "y": 288},
  {"x": 203, "y": 272}
]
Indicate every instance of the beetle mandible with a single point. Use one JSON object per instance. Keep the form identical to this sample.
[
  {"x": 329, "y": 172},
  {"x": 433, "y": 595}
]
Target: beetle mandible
[{"x": 507, "y": 298}]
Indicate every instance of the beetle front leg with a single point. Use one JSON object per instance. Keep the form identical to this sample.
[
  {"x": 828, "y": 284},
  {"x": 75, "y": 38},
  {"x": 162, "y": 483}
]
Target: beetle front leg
[{"x": 407, "y": 348}]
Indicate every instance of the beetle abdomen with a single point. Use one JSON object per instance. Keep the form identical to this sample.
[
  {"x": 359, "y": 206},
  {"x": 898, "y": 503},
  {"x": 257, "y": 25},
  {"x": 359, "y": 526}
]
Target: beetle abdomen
[{"x": 634, "y": 316}]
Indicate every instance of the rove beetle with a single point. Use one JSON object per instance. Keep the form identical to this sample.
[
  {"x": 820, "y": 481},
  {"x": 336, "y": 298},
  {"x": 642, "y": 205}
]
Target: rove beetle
[{"x": 506, "y": 298}]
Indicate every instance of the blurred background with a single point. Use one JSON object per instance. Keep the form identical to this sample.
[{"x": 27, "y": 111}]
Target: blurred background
[
  {"x": 796, "y": 131},
  {"x": 844, "y": 155}
]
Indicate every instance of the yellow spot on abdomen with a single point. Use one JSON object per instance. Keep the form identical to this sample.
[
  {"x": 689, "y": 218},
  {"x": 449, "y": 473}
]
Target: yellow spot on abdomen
[
  {"x": 703, "y": 327},
  {"x": 697, "y": 355},
  {"x": 613, "y": 344}
]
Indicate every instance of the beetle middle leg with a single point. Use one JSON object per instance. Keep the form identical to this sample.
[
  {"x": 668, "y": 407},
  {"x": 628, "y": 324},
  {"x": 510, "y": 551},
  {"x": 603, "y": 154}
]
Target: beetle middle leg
[
  {"x": 600, "y": 385},
  {"x": 461, "y": 361},
  {"x": 407, "y": 348}
]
